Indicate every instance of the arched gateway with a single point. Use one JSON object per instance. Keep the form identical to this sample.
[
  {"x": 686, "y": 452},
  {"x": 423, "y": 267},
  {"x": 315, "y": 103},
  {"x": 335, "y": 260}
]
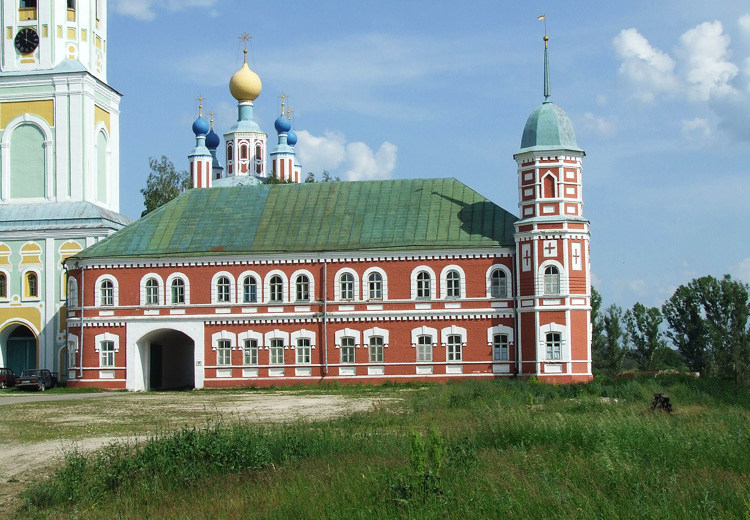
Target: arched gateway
[{"x": 163, "y": 359}]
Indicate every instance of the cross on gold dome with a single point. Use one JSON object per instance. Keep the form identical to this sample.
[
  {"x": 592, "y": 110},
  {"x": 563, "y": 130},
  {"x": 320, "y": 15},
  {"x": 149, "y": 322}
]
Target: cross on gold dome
[
  {"x": 200, "y": 99},
  {"x": 282, "y": 97},
  {"x": 244, "y": 37},
  {"x": 211, "y": 114},
  {"x": 289, "y": 113}
]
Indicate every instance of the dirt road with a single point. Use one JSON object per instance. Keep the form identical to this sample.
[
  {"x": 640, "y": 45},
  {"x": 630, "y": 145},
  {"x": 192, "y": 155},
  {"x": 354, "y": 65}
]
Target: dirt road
[{"x": 36, "y": 430}]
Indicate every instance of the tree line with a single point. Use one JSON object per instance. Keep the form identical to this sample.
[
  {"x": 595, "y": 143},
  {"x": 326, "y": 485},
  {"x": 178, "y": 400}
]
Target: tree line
[{"x": 705, "y": 321}]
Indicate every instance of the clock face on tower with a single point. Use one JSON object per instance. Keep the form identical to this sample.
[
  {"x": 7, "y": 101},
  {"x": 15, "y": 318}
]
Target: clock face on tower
[{"x": 27, "y": 40}]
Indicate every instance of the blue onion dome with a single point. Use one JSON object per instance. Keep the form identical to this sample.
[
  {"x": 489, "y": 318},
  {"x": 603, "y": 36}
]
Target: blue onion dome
[
  {"x": 212, "y": 140},
  {"x": 291, "y": 138},
  {"x": 282, "y": 124},
  {"x": 200, "y": 127}
]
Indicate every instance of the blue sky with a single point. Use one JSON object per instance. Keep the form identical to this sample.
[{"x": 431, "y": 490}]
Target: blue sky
[{"x": 658, "y": 93}]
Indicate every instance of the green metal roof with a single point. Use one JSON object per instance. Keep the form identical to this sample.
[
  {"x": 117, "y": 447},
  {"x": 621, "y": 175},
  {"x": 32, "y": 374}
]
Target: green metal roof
[
  {"x": 548, "y": 128},
  {"x": 299, "y": 218}
]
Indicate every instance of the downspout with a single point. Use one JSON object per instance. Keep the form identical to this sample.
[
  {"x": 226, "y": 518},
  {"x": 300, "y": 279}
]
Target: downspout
[
  {"x": 325, "y": 318},
  {"x": 83, "y": 307}
]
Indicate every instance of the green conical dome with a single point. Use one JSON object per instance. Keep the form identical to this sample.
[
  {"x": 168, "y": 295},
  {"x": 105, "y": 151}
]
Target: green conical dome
[{"x": 548, "y": 128}]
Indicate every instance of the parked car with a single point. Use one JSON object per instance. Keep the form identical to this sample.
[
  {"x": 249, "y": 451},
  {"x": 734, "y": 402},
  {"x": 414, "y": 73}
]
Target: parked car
[
  {"x": 40, "y": 379},
  {"x": 7, "y": 378}
]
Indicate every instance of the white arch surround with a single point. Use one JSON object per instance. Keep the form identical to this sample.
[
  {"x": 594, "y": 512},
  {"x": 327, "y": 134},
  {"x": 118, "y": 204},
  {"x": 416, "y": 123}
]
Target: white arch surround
[
  {"x": 224, "y": 334},
  {"x": 302, "y": 333},
  {"x": 276, "y": 334},
  {"x": 160, "y": 291},
  {"x": 249, "y": 334},
  {"x": 424, "y": 331},
  {"x": 168, "y": 288},
  {"x": 7, "y": 284},
  {"x": 508, "y": 281},
  {"x": 499, "y": 329},
  {"x": 444, "y": 282},
  {"x": 102, "y": 128},
  {"x": 284, "y": 287},
  {"x": 453, "y": 330},
  {"x": 42, "y": 125},
  {"x": 71, "y": 293},
  {"x": 433, "y": 286},
  {"x": 39, "y": 290},
  {"x": 215, "y": 289},
  {"x": 115, "y": 290},
  {"x": 258, "y": 286},
  {"x": 375, "y": 331},
  {"x": 564, "y": 289},
  {"x": 542, "y": 332},
  {"x": 366, "y": 282},
  {"x": 293, "y": 286},
  {"x": 348, "y": 333},
  {"x": 337, "y": 284}
]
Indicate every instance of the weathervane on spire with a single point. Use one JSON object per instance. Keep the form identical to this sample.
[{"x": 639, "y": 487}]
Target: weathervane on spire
[
  {"x": 200, "y": 99},
  {"x": 244, "y": 37},
  {"x": 547, "y": 90}
]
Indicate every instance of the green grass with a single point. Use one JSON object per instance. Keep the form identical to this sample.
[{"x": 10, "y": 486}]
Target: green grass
[{"x": 482, "y": 449}]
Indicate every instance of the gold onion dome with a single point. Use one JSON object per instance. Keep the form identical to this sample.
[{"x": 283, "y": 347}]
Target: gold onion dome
[{"x": 245, "y": 84}]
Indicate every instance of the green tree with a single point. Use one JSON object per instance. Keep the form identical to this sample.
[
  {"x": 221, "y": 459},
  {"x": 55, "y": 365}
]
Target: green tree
[
  {"x": 642, "y": 324},
  {"x": 598, "y": 340},
  {"x": 324, "y": 177},
  {"x": 164, "y": 183},
  {"x": 688, "y": 329},
  {"x": 614, "y": 338},
  {"x": 310, "y": 177}
]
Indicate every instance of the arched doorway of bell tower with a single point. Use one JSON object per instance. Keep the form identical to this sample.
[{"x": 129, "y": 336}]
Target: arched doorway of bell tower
[
  {"x": 167, "y": 360},
  {"x": 19, "y": 347}
]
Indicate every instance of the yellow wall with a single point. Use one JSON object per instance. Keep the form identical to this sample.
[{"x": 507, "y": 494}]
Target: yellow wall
[
  {"x": 43, "y": 108},
  {"x": 101, "y": 115}
]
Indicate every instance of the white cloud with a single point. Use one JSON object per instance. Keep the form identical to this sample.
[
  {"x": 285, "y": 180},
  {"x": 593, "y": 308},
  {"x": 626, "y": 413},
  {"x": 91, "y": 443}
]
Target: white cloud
[
  {"x": 741, "y": 271},
  {"x": 600, "y": 125},
  {"x": 650, "y": 70},
  {"x": 698, "y": 125},
  {"x": 708, "y": 70},
  {"x": 744, "y": 23},
  {"x": 354, "y": 161},
  {"x": 146, "y": 9}
]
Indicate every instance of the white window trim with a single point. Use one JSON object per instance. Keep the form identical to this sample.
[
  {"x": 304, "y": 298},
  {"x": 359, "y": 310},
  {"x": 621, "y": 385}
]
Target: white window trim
[
  {"x": 348, "y": 333},
  {"x": 72, "y": 346},
  {"x": 302, "y": 333},
  {"x": 39, "y": 290},
  {"x": 168, "y": 288},
  {"x": 71, "y": 288},
  {"x": 337, "y": 284},
  {"x": 500, "y": 329},
  {"x": 42, "y": 125},
  {"x": 98, "y": 290},
  {"x": 563, "y": 279},
  {"x": 453, "y": 331},
  {"x": 250, "y": 334},
  {"x": 375, "y": 331},
  {"x": 433, "y": 286},
  {"x": 215, "y": 288},
  {"x": 258, "y": 287},
  {"x": 424, "y": 331},
  {"x": 542, "y": 342},
  {"x": 293, "y": 286},
  {"x": 106, "y": 336},
  {"x": 7, "y": 284},
  {"x": 275, "y": 334},
  {"x": 444, "y": 282},
  {"x": 366, "y": 283},
  {"x": 284, "y": 287},
  {"x": 159, "y": 292},
  {"x": 508, "y": 281}
]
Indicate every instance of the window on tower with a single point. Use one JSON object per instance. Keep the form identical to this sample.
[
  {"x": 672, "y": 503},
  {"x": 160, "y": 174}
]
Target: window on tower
[
  {"x": 27, "y": 10},
  {"x": 71, "y": 10},
  {"x": 243, "y": 152},
  {"x": 551, "y": 280},
  {"x": 549, "y": 187}
]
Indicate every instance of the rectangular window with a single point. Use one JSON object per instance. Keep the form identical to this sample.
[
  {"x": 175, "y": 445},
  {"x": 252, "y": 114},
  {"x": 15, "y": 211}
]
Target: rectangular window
[
  {"x": 376, "y": 349},
  {"x": 276, "y": 352},
  {"x": 249, "y": 291},
  {"x": 500, "y": 347},
  {"x": 303, "y": 351},
  {"x": 347, "y": 350},
  {"x": 250, "y": 352},
  {"x": 224, "y": 352},
  {"x": 107, "y": 354},
  {"x": 178, "y": 291},
  {"x": 554, "y": 346},
  {"x": 454, "y": 348},
  {"x": 424, "y": 349}
]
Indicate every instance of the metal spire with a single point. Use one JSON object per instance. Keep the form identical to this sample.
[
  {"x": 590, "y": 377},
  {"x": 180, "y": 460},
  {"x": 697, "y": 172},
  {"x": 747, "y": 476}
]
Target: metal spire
[{"x": 547, "y": 91}]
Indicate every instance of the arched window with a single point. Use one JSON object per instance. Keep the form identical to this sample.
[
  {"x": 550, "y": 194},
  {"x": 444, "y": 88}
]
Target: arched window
[
  {"x": 230, "y": 152},
  {"x": 424, "y": 349},
  {"x": 500, "y": 347},
  {"x": 549, "y": 187},
  {"x": 551, "y": 280},
  {"x": 223, "y": 287},
  {"x": 178, "y": 291},
  {"x": 249, "y": 290},
  {"x": 424, "y": 285},
  {"x": 243, "y": 152},
  {"x": 152, "y": 291},
  {"x": 32, "y": 285},
  {"x": 453, "y": 284},
  {"x": 28, "y": 162},
  {"x": 347, "y": 286},
  {"x": 303, "y": 288},
  {"x": 375, "y": 286},
  {"x": 554, "y": 345},
  {"x": 3, "y": 285},
  {"x": 107, "y": 293},
  {"x": 347, "y": 350},
  {"x": 72, "y": 293},
  {"x": 454, "y": 346},
  {"x": 277, "y": 289},
  {"x": 258, "y": 159},
  {"x": 498, "y": 284}
]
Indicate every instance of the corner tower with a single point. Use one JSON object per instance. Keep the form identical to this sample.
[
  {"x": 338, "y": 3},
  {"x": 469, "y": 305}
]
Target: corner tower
[{"x": 552, "y": 248}]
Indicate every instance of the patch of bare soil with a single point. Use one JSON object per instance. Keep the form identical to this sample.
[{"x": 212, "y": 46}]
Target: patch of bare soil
[{"x": 24, "y": 462}]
